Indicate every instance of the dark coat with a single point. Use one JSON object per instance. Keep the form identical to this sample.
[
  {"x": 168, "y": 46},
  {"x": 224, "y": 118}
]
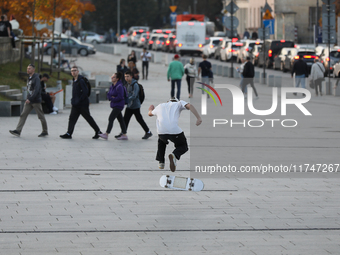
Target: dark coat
[
  {"x": 34, "y": 89},
  {"x": 248, "y": 70},
  {"x": 79, "y": 92}
]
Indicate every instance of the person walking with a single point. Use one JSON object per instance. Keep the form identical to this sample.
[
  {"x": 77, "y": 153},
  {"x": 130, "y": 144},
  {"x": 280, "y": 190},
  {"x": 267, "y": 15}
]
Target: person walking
[
  {"x": 145, "y": 56},
  {"x": 46, "y": 97},
  {"x": 132, "y": 57},
  {"x": 317, "y": 75},
  {"x": 300, "y": 69},
  {"x": 248, "y": 77},
  {"x": 80, "y": 105},
  {"x": 117, "y": 102},
  {"x": 33, "y": 101},
  {"x": 167, "y": 128},
  {"x": 191, "y": 72},
  {"x": 133, "y": 107},
  {"x": 122, "y": 68},
  {"x": 205, "y": 68},
  {"x": 175, "y": 73}
]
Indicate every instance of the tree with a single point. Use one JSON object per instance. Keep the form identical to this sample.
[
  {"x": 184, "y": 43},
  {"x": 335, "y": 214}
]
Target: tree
[{"x": 43, "y": 10}]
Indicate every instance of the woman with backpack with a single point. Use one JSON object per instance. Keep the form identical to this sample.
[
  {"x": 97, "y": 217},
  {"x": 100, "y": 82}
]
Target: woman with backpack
[
  {"x": 191, "y": 72},
  {"x": 116, "y": 96}
]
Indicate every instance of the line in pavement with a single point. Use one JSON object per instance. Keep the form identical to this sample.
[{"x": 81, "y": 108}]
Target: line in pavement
[{"x": 108, "y": 190}]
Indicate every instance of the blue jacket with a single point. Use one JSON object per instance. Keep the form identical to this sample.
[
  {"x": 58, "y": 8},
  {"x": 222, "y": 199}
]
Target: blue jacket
[
  {"x": 79, "y": 92},
  {"x": 117, "y": 91},
  {"x": 133, "y": 94}
]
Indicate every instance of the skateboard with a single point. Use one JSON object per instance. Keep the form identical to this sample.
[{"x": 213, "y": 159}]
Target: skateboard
[{"x": 181, "y": 183}]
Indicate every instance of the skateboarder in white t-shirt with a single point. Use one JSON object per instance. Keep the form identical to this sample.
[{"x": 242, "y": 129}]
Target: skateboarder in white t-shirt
[{"x": 167, "y": 128}]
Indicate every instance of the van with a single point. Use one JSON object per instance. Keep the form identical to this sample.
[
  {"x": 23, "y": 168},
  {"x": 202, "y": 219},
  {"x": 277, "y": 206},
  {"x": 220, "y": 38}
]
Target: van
[
  {"x": 273, "y": 48},
  {"x": 190, "y": 37}
]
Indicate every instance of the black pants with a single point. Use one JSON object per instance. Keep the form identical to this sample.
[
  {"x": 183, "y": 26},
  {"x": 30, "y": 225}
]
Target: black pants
[
  {"x": 48, "y": 101},
  {"x": 74, "y": 115},
  {"x": 190, "y": 82},
  {"x": 128, "y": 114},
  {"x": 116, "y": 113},
  {"x": 247, "y": 81},
  {"x": 318, "y": 83},
  {"x": 146, "y": 65},
  {"x": 181, "y": 146}
]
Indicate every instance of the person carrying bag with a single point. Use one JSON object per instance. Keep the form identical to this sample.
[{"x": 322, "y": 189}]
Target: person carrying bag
[{"x": 317, "y": 76}]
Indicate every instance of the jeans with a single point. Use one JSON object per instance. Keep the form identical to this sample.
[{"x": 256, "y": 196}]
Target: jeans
[
  {"x": 146, "y": 65},
  {"x": 208, "y": 81},
  {"x": 128, "y": 114},
  {"x": 181, "y": 146},
  {"x": 300, "y": 79},
  {"x": 245, "y": 82},
  {"x": 116, "y": 113},
  {"x": 178, "y": 82},
  {"x": 74, "y": 115}
]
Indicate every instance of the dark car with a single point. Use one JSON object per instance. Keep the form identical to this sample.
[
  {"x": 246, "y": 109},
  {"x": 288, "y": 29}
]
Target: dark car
[
  {"x": 273, "y": 48},
  {"x": 308, "y": 55},
  {"x": 68, "y": 44}
]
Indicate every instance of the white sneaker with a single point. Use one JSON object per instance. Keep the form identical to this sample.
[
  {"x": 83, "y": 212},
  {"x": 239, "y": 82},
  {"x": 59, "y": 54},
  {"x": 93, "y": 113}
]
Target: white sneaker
[
  {"x": 55, "y": 109},
  {"x": 161, "y": 165},
  {"x": 173, "y": 162},
  {"x": 53, "y": 113}
]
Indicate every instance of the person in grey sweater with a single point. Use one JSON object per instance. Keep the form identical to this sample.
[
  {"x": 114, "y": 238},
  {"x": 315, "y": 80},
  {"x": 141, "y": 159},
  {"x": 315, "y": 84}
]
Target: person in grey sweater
[
  {"x": 317, "y": 75},
  {"x": 33, "y": 101}
]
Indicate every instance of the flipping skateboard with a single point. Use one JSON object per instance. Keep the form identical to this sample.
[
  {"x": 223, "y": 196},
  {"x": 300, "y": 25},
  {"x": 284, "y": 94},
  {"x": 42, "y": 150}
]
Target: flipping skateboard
[{"x": 181, "y": 183}]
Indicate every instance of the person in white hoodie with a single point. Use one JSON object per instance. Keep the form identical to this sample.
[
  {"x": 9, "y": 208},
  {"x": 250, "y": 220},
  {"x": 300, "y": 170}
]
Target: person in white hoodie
[
  {"x": 191, "y": 71},
  {"x": 317, "y": 75}
]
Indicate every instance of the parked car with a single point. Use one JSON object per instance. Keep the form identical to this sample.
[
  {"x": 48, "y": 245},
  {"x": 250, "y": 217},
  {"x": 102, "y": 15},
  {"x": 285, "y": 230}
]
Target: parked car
[
  {"x": 221, "y": 46},
  {"x": 254, "y": 54},
  {"x": 308, "y": 55},
  {"x": 159, "y": 42},
  {"x": 336, "y": 70},
  {"x": 143, "y": 40},
  {"x": 244, "y": 52},
  {"x": 210, "y": 47},
  {"x": 272, "y": 48},
  {"x": 169, "y": 45},
  {"x": 280, "y": 58},
  {"x": 333, "y": 58},
  {"x": 134, "y": 36},
  {"x": 68, "y": 44},
  {"x": 230, "y": 51},
  {"x": 92, "y": 37},
  {"x": 123, "y": 38}
]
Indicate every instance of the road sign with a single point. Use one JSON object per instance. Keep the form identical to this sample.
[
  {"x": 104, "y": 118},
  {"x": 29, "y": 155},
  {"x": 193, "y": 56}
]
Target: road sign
[
  {"x": 331, "y": 20},
  {"x": 227, "y": 22},
  {"x": 267, "y": 15},
  {"x": 173, "y": 8},
  {"x": 331, "y": 8},
  {"x": 231, "y": 7},
  {"x": 260, "y": 33},
  {"x": 173, "y": 17},
  {"x": 267, "y": 8},
  {"x": 271, "y": 24},
  {"x": 325, "y": 36}
]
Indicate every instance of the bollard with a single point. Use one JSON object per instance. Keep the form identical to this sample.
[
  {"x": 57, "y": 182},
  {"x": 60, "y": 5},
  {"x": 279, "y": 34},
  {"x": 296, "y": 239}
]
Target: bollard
[
  {"x": 59, "y": 84},
  {"x": 68, "y": 95},
  {"x": 214, "y": 68},
  {"x": 225, "y": 71},
  {"x": 263, "y": 80},
  {"x": 257, "y": 77},
  {"x": 271, "y": 80},
  {"x": 328, "y": 88},
  {"x": 236, "y": 74},
  {"x": 219, "y": 70},
  {"x": 70, "y": 82},
  {"x": 278, "y": 81},
  {"x": 230, "y": 72}
]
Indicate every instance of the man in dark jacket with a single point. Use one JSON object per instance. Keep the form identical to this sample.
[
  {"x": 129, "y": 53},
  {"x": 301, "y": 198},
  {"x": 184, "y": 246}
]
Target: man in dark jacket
[
  {"x": 300, "y": 69},
  {"x": 80, "y": 105},
  {"x": 248, "y": 77},
  {"x": 33, "y": 101}
]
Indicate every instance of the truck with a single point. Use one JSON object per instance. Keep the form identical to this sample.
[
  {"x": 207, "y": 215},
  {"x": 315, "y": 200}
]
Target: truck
[{"x": 190, "y": 37}]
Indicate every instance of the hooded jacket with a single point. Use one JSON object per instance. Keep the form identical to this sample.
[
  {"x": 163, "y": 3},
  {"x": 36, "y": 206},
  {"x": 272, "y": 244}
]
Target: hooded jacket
[
  {"x": 34, "y": 89},
  {"x": 116, "y": 95},
  {"x": 133, "y": 94},
  {"x": 79, "y": 92}
]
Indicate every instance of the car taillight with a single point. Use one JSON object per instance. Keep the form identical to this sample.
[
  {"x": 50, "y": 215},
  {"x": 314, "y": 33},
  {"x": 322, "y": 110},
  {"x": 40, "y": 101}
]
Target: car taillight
[
  {"x": 168, "y": 31},
  {"x": 257, "y": 54},
  {"x": 162, "y": 43},
  {"x": 191, "y": 23},
  {"x": 247, "y": 49},
  {"x": 45, "y": 44},
  {"x": 234, "y": 40},
  {"x": 158, "y": 42},
  {"x": 200, "y": 45},
  {"x": 122, "y": 36},
  {"x": 143, "y": 39},
  {"x": 307, "y": 56},
  {"x": 231, "y": 50},
  {"x": 296, "y": 57},
  {"x": 180, "y": 45},
  {"x": 331, "y": 68},
  {"x": 150, "y": 42},
  {"x": 101, "y": 37},
  {"x": 270, "y": 53},
  {"x": 134, "y": 33},
  {"x": 167, "y": 42},
  {"x": 141, "y": 30},
  {"x": 283, "y": 41},
  {"x": 327, "y": 59},
  {"x": 211, "y": 46}
]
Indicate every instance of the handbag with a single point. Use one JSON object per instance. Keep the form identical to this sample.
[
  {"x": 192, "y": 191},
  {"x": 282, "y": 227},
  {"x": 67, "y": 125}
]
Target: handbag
[
  {"x": 322, "y": 79},
  {"x": 311, "y": 84}
]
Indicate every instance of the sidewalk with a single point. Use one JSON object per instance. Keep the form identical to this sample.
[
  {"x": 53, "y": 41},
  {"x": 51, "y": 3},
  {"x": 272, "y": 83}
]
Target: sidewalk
[{"x": 85, "y": 196}]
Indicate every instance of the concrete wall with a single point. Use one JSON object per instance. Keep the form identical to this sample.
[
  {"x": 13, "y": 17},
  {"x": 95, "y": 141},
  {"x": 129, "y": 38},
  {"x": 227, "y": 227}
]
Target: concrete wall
[{"x": 7, "y": 54}]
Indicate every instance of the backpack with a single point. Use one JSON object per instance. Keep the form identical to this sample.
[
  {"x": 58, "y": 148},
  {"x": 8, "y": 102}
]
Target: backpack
[
  {"x": 141, "y": 94},
  {"x": 88, "y": 86}
]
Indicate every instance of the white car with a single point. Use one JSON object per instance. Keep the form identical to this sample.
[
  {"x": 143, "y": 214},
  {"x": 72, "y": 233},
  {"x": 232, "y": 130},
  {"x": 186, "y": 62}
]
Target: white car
[
  {"x": 123, "y": 38},
  {"x": 231, "y": 51},
  {"x": 91, "y": 37},
  {"x": 210, "y": 47},
  {"x": 245, "y": 50},
  {"x": 143, "y": 40}
]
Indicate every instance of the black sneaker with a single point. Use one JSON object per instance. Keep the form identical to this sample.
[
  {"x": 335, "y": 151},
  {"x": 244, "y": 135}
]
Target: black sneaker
[
  {"x": 117, "y": 136},
  {"x": 43, "y": 134},
  {"x": 14, "y": 132},
  {"x": 66, "y": 136},
  {"x": 147, "y": 135},
  {"x": 96, "y": 136}
]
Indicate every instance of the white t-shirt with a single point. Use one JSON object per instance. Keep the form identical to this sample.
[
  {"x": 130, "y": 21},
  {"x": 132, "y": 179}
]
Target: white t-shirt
[
  {"x": 167, "y": 117},
  {"x": 146, "y": 56}
]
